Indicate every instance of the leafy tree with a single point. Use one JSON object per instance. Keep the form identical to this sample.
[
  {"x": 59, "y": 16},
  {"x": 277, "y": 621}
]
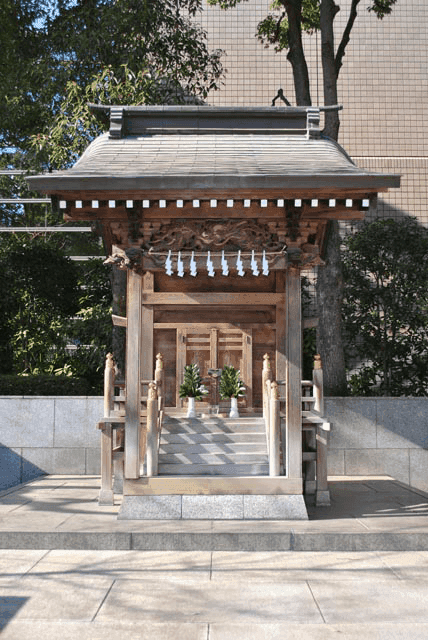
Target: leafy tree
[
  {"x": 47, "y": 303},
  {"x": 58, "y": 55},
  {"x": 385, "y": 308},
  {"x": 38, "y": 287},
  {"x": 283, "y": 29},
  {"x": 90, "y": 330}
]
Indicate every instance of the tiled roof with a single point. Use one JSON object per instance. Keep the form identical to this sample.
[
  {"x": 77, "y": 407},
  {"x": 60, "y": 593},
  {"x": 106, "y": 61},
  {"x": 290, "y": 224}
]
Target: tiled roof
[{"x": 232, "y": 157}]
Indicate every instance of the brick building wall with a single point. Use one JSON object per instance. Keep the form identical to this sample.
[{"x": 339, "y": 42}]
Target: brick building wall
[{"x": 383, "y": 87}]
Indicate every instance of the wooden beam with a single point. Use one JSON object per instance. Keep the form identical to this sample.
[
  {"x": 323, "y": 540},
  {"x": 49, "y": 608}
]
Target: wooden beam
[
  {"x": 213, "y": 485},
  {"x": 206, "y": 326},
  {"x": 211, "y": 298},
  {"x": 318, "y": 189},
  {"x": 119, "y": 321}
]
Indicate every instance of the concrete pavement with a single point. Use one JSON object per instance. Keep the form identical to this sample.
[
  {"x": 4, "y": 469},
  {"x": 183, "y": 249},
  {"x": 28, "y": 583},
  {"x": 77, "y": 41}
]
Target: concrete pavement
[
  {"x": 215, "y": 590},
  {"x": 218, "y": 595}
]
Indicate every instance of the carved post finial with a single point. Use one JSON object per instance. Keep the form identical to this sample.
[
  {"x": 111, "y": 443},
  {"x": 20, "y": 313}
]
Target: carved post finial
[
  {"x": 317, "y": 362},
  {"x": 159, "y": 361},
  {"x": 266, "y": 362},
  {"x": 109, "y": 361}
]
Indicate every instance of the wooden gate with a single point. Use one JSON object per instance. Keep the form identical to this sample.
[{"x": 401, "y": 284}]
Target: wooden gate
[{"x": 213, "y": 347}]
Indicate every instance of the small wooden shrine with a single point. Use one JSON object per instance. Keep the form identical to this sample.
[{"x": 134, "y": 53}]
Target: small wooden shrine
[{"x": 214, "y": 212}]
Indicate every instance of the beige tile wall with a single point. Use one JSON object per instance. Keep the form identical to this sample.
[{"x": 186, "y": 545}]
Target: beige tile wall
[{"x": 383, "y": 86}]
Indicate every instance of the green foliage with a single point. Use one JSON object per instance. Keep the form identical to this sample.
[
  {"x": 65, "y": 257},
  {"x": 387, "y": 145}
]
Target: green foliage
[
  {"x": 48, "y": 302},
  {"x": 192, "y": 386},
  {"x": 231, "y": 385},
  {"x": 385, "y": 309},
  {"x": 44, "y": 385},
  {"x": 382, "y": 8},
  {"x": 75, "y": 126},
  {"x": 273, "y": 30},
  {"x": 38, "y": 287},
  {"x": 90, "y": 330}
]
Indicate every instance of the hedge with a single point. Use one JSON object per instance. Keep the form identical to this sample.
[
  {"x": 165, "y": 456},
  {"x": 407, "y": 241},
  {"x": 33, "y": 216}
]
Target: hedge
[{"x": 45, "y": 385}]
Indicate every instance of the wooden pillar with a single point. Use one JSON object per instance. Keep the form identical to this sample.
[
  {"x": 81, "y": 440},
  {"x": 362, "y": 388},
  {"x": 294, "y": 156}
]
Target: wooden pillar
[
  {"x": 280, "y": 330},
  {"x": 147, "y": 353},
  {"x": 133, "y": 376},
  {"x": 106, "y": 496},
  {"x": 274, "y": 420},
  {"x": 293, "y": 441},
  {"x": 247, "y": 356}
]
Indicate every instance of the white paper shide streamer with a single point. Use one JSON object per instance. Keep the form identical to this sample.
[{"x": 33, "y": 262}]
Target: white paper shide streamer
[
  {"x": 254, "y": 265},
  {"x": 224, "y": 265},
  {"x": 210, "y": 266},
  {"x": 193, "y": 267},
  {"x": 240, "y": 265},
  {"x": 180, "y": 265},
  {"x": 168, "y": 264}
]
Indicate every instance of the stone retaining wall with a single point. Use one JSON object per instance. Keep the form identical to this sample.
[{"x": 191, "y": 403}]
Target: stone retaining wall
[
  {"x": 369, "y": 436},
  {"x": 48, "y": 435},
  {"x": 379, "y": 436}
]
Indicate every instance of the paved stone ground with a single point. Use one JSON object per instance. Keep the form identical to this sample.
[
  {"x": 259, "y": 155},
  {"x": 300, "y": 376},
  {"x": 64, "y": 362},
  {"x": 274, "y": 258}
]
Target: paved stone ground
[
  {"x": 220, "y": 593},
  {"x": 105, "y": 595}
]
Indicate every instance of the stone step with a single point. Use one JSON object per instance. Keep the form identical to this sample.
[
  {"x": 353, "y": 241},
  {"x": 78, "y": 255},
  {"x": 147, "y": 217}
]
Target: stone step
[
  {"x": 220, "y": 447},
  {"x": 200, "y": 438},
  {"x": 212, "y": 458},
  {"x": 197, "y": 426},
  {"x": 214, "y": 469}
]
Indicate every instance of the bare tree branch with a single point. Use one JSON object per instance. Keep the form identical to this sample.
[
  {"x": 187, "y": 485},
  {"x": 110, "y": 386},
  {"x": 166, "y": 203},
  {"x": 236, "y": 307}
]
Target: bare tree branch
[{"x": 346, "y": 36}]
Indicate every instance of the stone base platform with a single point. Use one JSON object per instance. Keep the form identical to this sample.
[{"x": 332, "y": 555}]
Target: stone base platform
[{"x": 213, "y": 507}]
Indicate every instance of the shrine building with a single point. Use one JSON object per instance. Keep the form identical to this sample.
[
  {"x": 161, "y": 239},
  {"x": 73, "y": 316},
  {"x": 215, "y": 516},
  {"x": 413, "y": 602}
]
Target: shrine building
[{"x": 214, "y": 212}]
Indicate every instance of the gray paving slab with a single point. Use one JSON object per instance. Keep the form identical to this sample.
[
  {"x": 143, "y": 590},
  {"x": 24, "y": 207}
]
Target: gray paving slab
[
  {"x": 123, "y": 564},
  {"x": 284, "y": 631},
  {"x": 292, "y": 602},
  {"x": 17, "y": 562},
  {"x": 70, "y": 597},
  {"x": 112, "y": 630},
  {"x": 284, "y": 567},
  {"x": 344, "y": 601},
  {"x": 64, "y": 595}
]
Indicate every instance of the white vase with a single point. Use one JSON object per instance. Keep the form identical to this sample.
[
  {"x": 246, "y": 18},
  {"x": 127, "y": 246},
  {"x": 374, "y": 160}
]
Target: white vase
[
  {"x": 234, "y": 408},
  {"x": 191, "y": 412}
]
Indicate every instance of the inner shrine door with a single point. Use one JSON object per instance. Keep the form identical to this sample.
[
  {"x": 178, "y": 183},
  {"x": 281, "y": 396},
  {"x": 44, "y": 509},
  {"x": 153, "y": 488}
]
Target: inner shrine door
[{"x": 212, "y": 347}]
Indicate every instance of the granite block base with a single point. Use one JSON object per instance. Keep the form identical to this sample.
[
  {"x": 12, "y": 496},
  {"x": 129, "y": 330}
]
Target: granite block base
[{"x": 213, "y": 507}]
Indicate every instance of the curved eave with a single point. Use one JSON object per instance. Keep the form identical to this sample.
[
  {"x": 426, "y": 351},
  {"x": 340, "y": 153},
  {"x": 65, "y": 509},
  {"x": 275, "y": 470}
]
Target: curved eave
[{"x": 56, "y": 184}]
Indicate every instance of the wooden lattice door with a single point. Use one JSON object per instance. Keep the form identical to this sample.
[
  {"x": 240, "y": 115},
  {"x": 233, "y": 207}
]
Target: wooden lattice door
[{"x": 213, "y": 347}]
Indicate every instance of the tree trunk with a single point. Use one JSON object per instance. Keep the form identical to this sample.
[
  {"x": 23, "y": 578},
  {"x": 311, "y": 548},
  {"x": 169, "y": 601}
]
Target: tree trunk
[
  {"x": 328, "y": 11},
  {"x": 330, "y": 281},
  {"x": 296, "y": 55},
  {"x": 329, "y": 330}
]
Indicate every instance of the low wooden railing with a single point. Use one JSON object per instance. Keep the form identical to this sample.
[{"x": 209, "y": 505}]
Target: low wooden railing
[
  {"x": 113, "y": 421},
  {"x": 271, "y": 414},
  {"x": 314, "y": 428}
]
